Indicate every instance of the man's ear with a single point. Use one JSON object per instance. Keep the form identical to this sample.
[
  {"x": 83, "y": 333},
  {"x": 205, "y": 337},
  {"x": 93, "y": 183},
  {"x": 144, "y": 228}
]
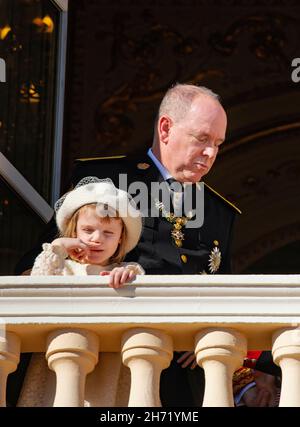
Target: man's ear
[{"x": 164, "y": 126}]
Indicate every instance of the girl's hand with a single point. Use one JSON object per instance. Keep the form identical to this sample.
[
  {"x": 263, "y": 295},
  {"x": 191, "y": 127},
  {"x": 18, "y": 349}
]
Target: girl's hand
[
  {"x": 118, "y": 276},
  {"x": 73, "y": 246}
]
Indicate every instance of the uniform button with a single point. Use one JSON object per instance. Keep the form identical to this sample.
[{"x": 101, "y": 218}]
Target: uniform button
[
  {"x": 143, "y": 166},
  {"x": 183, "y": 258}
]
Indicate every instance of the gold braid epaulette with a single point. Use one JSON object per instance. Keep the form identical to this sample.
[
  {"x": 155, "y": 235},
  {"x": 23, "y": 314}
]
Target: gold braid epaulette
[
  {"x": 86, "y": 159},
  {"x": 241, "y": 378},
  {"x": 223, "y": 198}
]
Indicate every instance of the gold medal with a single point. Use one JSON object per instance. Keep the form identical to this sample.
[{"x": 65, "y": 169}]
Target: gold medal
[
  {"x": 178, "y": 223},
  {"x": 214, "y": 260}
]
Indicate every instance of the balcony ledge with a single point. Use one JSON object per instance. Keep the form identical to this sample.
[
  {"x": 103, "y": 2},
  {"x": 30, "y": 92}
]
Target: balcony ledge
[{"x": 256, "y": 305}]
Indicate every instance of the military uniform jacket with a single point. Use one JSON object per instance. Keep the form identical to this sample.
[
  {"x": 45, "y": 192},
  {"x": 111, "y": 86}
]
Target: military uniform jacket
[{"x": 204, "y": 250}]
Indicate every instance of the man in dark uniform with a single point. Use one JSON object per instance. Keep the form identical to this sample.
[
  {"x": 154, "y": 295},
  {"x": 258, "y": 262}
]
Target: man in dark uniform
[{"x": 190, "y": 127}]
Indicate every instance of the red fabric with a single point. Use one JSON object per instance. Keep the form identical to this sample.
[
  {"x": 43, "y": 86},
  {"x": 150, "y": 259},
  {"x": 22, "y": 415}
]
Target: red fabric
[
  {"x": 251, "y": 359},
  {"x": 253, "y": 354}
]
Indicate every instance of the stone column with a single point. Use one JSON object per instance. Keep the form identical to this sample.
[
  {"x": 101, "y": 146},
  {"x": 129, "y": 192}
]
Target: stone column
[
  {"x": 286, "y": 354},
  {"x": 9, "y": 358},
  {"x": 146, "y": 352},
  {"x": 220, "y": 352},
  {"x": 71, "y": 354}
]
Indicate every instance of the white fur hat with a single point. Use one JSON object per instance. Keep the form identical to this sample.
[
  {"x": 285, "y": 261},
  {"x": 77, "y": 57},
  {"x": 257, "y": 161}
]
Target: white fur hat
[{"x": 109, "y": 200}]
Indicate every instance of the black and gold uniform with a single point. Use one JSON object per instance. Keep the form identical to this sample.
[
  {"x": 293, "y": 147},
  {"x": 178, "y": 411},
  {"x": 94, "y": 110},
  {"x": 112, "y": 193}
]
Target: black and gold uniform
[
  {"x": 202, "y": 250},
  {"x": 165, "y": 247}
]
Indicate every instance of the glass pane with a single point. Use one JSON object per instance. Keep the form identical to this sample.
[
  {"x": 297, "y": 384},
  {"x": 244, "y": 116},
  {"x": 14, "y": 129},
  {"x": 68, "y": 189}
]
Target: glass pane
[
  {"x": 28, "y": 44},
  {"x": 19, "y": 229}
]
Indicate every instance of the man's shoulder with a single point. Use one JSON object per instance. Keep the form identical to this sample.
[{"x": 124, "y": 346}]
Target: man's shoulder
[
  {"x": 121, "y": 160},
  {"x": 221, "y": 200},
  {"x": 103, "y": 167}
]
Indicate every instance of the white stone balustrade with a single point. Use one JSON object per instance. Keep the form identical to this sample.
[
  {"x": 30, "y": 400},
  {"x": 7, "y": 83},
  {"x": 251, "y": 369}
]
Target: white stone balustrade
[
  {"x": 146, "y": 352},
  {"x": 144, "y": 322},
  {"x": 286, "y": 354},
  {"x": 220, "y": 352},
  {"x": 9, "y": 359},
  {"x": 71, "y": 354}
]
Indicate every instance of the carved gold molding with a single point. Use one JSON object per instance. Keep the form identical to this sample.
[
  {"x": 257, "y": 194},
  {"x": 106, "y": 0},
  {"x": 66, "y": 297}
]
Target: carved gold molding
[{"x": 260, "y": 134}]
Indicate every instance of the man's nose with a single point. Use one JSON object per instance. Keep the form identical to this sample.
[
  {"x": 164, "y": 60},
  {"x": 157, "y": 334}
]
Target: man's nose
[{"x": 210, "y": 151}]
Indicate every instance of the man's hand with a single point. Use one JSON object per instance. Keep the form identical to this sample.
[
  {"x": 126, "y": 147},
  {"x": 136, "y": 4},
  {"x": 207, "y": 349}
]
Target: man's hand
[
  {"x": 73, "y": 246},
  {"x": 265, "y": 394},
  {"x": 118, "y": 276},
  {"x": 186, "y": 359}
]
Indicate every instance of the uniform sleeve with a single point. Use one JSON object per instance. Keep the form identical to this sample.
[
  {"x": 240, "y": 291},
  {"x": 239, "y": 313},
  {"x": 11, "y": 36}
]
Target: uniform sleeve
[
  {"x": 226, "y": 264},
  {"x": 50, "y": 262},
  {"x": 133, "y": 266}
]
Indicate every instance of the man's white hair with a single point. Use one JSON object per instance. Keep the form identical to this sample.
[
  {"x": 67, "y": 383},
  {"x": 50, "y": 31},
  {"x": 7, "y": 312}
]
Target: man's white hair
[{"x": 178, "y": 100}]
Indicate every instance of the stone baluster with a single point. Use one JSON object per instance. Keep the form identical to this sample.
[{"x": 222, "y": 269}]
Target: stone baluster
[
  {"x": 146, "y": 352},
  {"x": 220, "y": 352},
  {"x": 71, "y": 354},
  {"x": 9, "y": 358},
  {"x": 286, "y": 354}
]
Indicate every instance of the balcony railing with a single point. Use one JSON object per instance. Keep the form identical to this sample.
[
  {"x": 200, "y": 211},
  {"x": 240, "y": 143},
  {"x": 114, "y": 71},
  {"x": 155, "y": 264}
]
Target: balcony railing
[{"x": 67, "y": 321}]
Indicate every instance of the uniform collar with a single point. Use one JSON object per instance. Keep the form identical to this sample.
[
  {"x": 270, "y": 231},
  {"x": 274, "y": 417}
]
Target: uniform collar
[{"x": 163, "y": 171}]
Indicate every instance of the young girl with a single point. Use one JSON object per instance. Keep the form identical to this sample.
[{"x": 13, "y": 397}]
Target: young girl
[{"x": 98, "y": 226}]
